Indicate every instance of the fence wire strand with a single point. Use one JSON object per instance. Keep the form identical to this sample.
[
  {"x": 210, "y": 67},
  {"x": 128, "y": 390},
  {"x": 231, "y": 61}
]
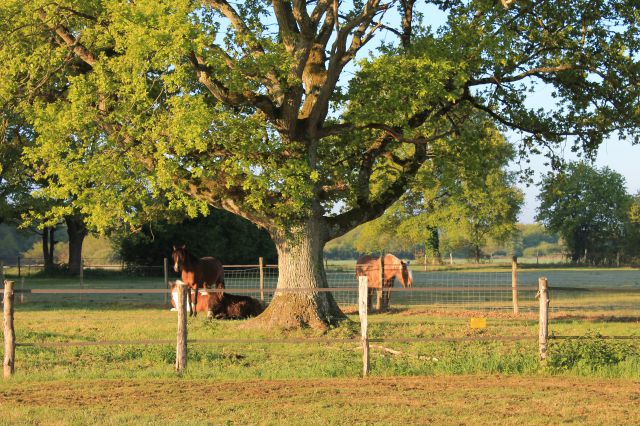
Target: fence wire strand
[{"x": 572, "y": 291}]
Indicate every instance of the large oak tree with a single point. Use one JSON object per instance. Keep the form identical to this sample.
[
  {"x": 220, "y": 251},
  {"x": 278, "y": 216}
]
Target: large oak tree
[{"x": 272, "y": 110}]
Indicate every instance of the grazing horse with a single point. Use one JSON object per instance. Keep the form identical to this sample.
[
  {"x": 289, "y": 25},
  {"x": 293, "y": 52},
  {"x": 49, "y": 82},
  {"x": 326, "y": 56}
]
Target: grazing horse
[
  {"x": 394, "y": 268},
  {"x": 197, "y": 273}
]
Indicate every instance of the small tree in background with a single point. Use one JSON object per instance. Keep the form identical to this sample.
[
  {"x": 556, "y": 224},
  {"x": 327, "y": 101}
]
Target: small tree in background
[
  {"x": 632, "y": 240},
  {"x": 588, "y": 207}
]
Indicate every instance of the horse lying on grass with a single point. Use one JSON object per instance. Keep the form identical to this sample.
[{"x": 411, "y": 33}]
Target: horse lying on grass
[
  {"x": 221, "y": 305},
  {"x": 197, "y": 273}
]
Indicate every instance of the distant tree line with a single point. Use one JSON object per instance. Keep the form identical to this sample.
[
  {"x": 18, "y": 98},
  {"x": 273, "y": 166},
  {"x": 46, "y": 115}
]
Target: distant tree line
[
  {"x": 528, "y": 240},
  {"x": 228, "y": 237}
]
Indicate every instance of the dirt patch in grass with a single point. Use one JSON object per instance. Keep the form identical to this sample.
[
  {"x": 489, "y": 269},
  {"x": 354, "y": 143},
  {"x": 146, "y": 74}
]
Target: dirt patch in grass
[{"x": 397, "y": 400}]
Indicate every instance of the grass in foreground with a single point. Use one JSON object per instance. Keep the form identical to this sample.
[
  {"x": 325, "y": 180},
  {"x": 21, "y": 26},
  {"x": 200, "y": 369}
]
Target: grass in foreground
[
  {"x": 315, "y": 356},
  {"x": 461, "y": 400}
]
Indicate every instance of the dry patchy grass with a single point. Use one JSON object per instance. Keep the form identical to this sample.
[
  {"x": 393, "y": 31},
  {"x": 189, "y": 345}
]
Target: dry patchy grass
[{"x": 461, "y": 400}]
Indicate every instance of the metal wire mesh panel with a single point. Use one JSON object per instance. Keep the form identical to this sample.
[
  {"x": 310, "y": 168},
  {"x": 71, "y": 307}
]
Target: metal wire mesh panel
[
  {"x": 477, "y": 290},
  {"x": 611, "y": 292}
]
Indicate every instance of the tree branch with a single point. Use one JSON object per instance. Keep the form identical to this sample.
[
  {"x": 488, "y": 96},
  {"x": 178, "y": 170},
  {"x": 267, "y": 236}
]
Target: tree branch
[
  {"x": 238, "y": 24},
  {"x": 62, "y": 32},
  {"x": 223, "y": 94}
]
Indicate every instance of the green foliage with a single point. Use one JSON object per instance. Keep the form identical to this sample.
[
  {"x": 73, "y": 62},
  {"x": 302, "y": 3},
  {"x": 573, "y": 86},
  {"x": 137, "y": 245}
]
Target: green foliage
[
  {"x": 589, "y": 208},
  {"x": 343, "y": 247},
  {"x": 231, "y": 239},
  {"x": 195, "y": 104},
  {"x": 533, "y": 240},
  {"x": 634, "y": 210},
  {"x": 542, "y": 249},
  {"x": 535, "y": 234},
  {"x": 462, "y": 199},
  {"x": 589, "y": 353}
]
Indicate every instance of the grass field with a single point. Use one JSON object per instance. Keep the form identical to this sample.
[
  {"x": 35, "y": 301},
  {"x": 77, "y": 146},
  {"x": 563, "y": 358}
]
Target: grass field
[
  {"x": 589, "y": 380},
  {"x": 441, "y": 400}
]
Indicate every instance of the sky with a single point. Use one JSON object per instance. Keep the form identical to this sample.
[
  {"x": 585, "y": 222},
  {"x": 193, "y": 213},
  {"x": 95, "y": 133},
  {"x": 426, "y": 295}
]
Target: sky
[{"x": 619, "y": 156}]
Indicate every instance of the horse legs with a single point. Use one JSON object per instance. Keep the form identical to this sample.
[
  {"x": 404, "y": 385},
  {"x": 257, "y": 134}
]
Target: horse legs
[
  {"x": 386, "y": 295},
  {"x": 195, "y": 302}
]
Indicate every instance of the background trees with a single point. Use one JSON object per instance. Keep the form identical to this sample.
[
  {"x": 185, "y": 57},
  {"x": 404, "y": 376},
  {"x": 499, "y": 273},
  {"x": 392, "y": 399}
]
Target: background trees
[
  {"x": 231, "y": 239},
  {"x": 589, "y": 207},
  {"x": 468, "y": 195}
]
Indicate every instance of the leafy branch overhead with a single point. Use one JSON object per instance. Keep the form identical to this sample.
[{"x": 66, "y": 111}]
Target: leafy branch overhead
[{"x": 284, "y": 110}]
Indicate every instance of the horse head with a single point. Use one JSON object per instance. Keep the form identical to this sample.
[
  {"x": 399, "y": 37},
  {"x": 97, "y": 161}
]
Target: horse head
[
  {"x": 407, "y": 275},
  {"x": 178, "y": 256}
]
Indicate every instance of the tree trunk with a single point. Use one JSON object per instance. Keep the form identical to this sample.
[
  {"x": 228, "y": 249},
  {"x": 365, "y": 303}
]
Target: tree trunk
[
  {"x": 301, "y": 271},
  {"x": 48, "y": 246},
  {"x": 434, "y": 246},
  {"x": 45, "y": 246},
  {"x": 77, "y": 231}
]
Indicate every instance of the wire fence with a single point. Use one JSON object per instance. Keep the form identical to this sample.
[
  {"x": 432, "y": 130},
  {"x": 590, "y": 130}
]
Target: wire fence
[
  {"x": 464, "y": 293},
  {"x": 616, "y": 292}
]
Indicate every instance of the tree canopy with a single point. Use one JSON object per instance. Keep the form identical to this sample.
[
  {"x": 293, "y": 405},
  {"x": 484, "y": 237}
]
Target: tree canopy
[
  {"x": 469, "y": 196},
  {"x": 272, "y": 110}
]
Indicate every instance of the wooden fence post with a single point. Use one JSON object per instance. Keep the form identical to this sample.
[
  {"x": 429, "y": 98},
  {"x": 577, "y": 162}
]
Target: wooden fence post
[
  {"x": 9, "y": 332},
  {"x": 19, "y": 267},
  {"x": 543, "y": 324},
  {"x": 261, "y": 266},
  {"x": 181, "y": 339},
  {"x": 514, "y": 284},
  {"x": 22, "y": 290},
  {"x": 363, "y": 302}
]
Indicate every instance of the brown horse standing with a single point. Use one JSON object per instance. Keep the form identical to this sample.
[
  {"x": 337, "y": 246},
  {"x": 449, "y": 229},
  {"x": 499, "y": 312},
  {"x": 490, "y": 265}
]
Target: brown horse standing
[
  {"x": 394, "y": 268},
  {"x": 197, "y": 273}
]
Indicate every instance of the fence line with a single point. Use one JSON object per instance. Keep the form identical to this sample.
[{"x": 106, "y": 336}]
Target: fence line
[
  {"x": 280, "y": 341},
  {"x": 248, "y": 290},
  {"x": 182, "y": 341}
]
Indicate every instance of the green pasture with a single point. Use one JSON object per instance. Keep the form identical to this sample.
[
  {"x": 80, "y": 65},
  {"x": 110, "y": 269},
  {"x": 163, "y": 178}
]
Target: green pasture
[
  {"x": 252, "y": 376},
  {"x": 580, "y": 308},
  {"x": 247, "y": 353}
]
